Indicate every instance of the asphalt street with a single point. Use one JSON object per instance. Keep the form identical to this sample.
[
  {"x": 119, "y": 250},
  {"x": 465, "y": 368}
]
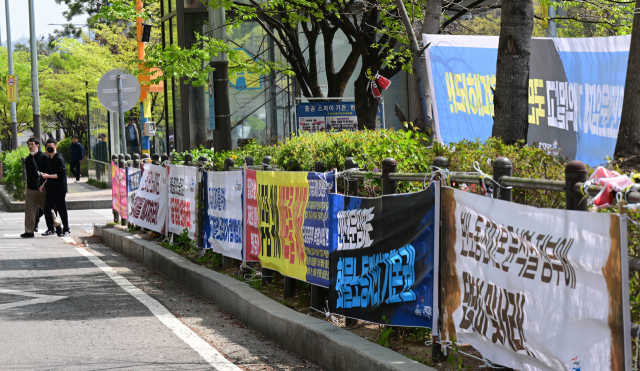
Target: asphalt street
[{"x": 74, "y": 304}]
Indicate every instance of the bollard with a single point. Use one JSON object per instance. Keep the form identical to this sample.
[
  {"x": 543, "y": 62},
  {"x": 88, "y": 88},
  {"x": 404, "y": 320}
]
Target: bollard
[
  {"x": 120, "y": 161},
  {"x": 145, "y": 158},
  {"x": 24, "y": 170},
  {"x": 436, "y": 349},
  {"x": 389, "y": 187},
  {"x": 164, "y": 158},
  {"x": 502, "y": 167},
  {"x": 352, "y": 185},
  {"x": 248, "y": 160},
  {"x": 575, "y": 172},
  {"x": 228, "y": 163},
  {"x": 136, "y": 161},
  {"x": 155, "y": 159},
  {"x": 188, "y": 158},
  {"x": 114, "y": 158},
  {"x": 267, "y": 274},
  {"x": 266, "y": 162},
  {"x": 200, "y": 204}
]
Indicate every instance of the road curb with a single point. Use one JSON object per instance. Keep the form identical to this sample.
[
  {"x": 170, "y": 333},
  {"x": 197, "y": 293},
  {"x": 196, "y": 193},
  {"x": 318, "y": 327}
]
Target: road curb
[
  {"x": 328, "y": 346},
  {"x": 15, "y": 206}
]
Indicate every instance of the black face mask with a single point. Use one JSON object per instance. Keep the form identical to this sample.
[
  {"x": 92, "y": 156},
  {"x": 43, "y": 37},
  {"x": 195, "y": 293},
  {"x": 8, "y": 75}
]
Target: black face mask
[{"x": 50, "y": 149}]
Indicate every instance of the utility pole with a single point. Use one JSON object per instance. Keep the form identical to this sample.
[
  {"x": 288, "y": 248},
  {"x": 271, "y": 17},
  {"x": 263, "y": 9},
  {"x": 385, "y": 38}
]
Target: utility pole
[
  {"x": 222, "y": 133},
  {"x": 35, "y": 88},
  {"x": 552, "y": 26},
  {"x": 14, "y": 120}
]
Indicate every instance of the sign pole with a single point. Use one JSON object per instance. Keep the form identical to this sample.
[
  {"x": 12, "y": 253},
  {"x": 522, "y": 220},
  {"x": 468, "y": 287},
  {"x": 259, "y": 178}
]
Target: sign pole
[
  {"x": 121, "y": 113},
  {"x": 14, "y": 120},
  {"x": 35, "y": 89}
]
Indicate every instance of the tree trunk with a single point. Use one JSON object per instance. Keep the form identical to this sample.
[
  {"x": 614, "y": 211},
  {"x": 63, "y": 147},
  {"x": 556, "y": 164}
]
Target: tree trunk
[
  {"x": 430, "y": 26},
  {"x": 512, "y": 71},
  {"x": 628, "y": 143},
  {"x": 366, "y": 104}
]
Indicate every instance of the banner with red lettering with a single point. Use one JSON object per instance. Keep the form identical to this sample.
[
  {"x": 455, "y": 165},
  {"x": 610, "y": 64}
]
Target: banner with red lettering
[
  {"x": 535, "y": 289},
  {"x": 223, "y": 215},
  {"x": 119, "y": 190},
  {"x": 150, "y": 204},
  {"x": 182, "y": 199}
]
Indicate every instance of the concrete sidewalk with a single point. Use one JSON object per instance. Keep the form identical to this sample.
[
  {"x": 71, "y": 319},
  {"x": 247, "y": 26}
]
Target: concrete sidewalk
[{"x": 81, "y": 196}]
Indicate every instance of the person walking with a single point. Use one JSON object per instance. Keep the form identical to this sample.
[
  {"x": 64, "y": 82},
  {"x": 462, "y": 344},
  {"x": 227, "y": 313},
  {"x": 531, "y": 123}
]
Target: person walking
[
  {"x": 56, "y": 187},
  {"x": 35, "y": 199},
  {"x": 77, "y": 154}
]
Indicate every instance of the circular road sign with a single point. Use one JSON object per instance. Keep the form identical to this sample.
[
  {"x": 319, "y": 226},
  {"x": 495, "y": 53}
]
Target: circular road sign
[
  {"x": 108, "y": 90},
  {"x": 11, "y": 81}
]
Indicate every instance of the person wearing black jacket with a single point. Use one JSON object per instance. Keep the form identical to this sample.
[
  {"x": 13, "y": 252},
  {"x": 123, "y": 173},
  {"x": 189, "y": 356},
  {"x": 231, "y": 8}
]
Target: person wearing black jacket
[
  {"x": 35, "y": 199},
  {"x": 77, "y": 154},
  {"x": 56, "y": 186}
]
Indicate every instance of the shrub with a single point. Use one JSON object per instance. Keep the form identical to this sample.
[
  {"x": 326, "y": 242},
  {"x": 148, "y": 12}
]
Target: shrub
[
  {"x": 12, "y": 166},
  {"x": 64, "y": 147}
]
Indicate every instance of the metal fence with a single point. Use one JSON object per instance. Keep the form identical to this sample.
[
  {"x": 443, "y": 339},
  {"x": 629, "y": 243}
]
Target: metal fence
[{"x": 573, "y": 186}]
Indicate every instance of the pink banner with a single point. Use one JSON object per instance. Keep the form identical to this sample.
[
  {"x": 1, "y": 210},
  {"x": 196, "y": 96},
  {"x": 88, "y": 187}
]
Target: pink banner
[{"x": 119, "y": 190}]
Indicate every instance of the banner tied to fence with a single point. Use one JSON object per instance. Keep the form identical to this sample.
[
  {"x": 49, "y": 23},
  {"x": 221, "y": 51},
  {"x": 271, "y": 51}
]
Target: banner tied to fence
[
  {"x": 133, "y": 183},
  {"x": 182, "y": 199},
  {"x": 149, "y": 208},
  {"x": 535, "y": 289},
  {"x": 287, "y": 223},
  {"x": 119, "y": 190},
  {"x": 384, "y": 258},
  {"x": 223, "y": 231},
  {"x": 575, "y": 95}
]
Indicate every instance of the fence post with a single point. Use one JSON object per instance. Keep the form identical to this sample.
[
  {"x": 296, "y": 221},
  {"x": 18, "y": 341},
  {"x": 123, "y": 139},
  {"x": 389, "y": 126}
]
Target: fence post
[
  {"x": 136, "y": 160},
  {"x": 24, "y": 170},
  {"x": 164, "y": 158},
  {"x": 267, "y": 274},
  {"x": 436, "y": 349},
  {"x": 352, "y": 185},
  {"x": 188, "y": 157},
  {"x": 201, "y": 202},
  {"x": 575, "y": 172},
  {"x": 318, "y": 294},
  {"x": 227, "y": 262},
  {"x": 389, "y": 165},
  {"x": 248, "y": 160},
  {"x": 502, "y": 167},
  {"x": 145, "y": 157},
  {"x": 155, "y": 159}
]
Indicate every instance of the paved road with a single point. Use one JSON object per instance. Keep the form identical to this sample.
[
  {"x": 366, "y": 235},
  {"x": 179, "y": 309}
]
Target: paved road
[{"x": 74, "y": 304}]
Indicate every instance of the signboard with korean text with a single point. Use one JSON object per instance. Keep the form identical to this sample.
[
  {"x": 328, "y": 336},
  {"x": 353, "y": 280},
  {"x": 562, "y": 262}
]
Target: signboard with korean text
[
  {"x": 535, "y": 289},
  {"x": 328, "y": 116},
  {"x": 384, "y": 258},
  {"x": 223, "y": 216},
  {"x": 576, "y": 89},
  {"x": 150, "y": 205},
  {"x": 119, "y": 190},
  {"x": 286, "y": 223},
  {"x": 12, "y": 88},
  {"x": 182, "y": 199}
]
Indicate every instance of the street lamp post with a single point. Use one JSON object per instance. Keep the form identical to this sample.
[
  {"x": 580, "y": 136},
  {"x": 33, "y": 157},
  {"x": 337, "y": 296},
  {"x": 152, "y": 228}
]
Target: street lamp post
[
  {"x": 14, "y": 120},
  {"x": 35, "y": 88}
]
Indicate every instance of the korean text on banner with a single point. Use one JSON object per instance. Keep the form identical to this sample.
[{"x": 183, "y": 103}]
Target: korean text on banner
[
  {"x": 576, "y": 89},
  {"x": 119, "y": 190},
  {"x": 133, "y": 183},
  {"x": 182, "y": 199},
  {"x": 286, "y": 226},
  {"x": 149, "y": 208},
  {"x": 223, "y": 217},
  {"x": 384, "y": 258},
  {"x": 535, "y": 289}
]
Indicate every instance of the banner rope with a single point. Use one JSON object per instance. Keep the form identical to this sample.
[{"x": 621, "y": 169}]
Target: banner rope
[
  {"x": 327, "y": 313},
  {"x": 445, "y": 346}
]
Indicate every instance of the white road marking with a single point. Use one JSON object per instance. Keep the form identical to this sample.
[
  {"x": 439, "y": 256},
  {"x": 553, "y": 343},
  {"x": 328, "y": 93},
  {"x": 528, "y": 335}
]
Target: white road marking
[
  {"x": 12, "y": 235},
  {"x": 39, "y": 299},
  {"x": 69, "y": 240},
  {"x": 209, "y": 353}
]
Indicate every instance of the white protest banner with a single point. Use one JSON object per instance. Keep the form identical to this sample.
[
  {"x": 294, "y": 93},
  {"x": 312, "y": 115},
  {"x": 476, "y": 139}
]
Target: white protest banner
[
  {"x": 150, "y": 205},
  {"x": 133, "y": 183},
  {"x": 223, "y": 219},
  {"x": 182, "y": 199},
  {"x": 535, "y": 289}
]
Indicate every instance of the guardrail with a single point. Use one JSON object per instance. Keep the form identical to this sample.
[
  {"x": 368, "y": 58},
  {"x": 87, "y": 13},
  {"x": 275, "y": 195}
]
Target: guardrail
[{"x": 576, "y": 175}]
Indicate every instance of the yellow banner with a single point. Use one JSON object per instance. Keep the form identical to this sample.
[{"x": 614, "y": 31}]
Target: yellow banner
[
  {"x": 12, "y": 88},
  {"x": 282, "y": 201}
]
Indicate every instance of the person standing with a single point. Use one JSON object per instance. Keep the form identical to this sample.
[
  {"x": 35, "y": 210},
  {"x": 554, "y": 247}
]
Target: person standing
[
  {"x": 100, "y": 150},
  {"x": 35, "y": 199},
  {"x": 56, "y": 187},
  {"x": 77, "y": 154}
]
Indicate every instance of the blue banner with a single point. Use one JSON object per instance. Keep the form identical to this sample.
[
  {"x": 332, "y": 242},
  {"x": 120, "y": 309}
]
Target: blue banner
[
  {"x": 576, "y": 88},
  {"x": 384, "y": 258},
  {"x": 315, "y": 229}
]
